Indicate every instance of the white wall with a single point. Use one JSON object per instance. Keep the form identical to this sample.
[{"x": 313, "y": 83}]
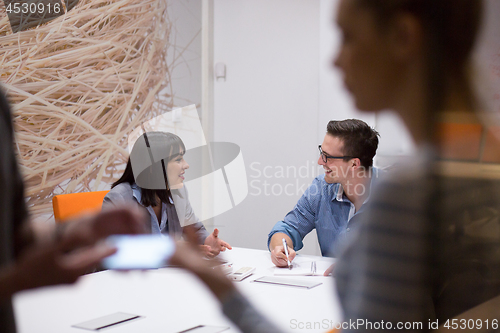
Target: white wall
[
  {"x": 336, "y": 104},
  {"x": 487, "y": 58},
  {"x": 184, "y": 53}
]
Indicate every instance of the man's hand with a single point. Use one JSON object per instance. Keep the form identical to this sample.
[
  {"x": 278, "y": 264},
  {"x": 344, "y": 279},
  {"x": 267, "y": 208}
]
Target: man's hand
[
  {"x": 215, "y": 244},
  {"x": 278, "y": 255}
]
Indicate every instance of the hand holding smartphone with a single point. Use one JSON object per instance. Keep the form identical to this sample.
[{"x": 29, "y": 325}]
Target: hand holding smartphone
[{"x": 139, "y": 252}]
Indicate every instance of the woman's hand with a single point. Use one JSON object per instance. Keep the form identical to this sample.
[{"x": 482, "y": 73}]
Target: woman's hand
[{"x": 215, "y": 244}]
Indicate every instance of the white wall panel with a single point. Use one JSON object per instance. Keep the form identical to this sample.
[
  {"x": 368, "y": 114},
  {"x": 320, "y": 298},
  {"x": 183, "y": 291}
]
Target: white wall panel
[{"x": 268, "y": 105}]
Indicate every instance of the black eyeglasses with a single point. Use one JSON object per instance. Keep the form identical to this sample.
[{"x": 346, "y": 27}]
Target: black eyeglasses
[{"x": 325, "y": 156}]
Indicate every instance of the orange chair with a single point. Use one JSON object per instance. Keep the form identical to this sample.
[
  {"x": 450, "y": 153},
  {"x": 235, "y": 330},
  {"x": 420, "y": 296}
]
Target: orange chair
[{"x": 71, "y": 205}]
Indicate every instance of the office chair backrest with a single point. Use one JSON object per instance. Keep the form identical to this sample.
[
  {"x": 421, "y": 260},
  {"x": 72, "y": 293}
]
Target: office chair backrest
[{"x": 71, "y": 205}]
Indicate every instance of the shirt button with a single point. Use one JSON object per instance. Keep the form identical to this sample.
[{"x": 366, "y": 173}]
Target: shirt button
[{"x": 348, "y": 229}]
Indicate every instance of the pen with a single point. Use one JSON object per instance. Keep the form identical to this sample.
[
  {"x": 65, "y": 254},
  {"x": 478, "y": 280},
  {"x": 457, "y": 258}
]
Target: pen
[{"x": 286, "y": 252}]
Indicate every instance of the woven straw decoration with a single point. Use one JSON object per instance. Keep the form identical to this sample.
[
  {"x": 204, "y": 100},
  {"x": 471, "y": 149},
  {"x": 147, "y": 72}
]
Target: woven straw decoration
[{"x": 78, "y": 85}]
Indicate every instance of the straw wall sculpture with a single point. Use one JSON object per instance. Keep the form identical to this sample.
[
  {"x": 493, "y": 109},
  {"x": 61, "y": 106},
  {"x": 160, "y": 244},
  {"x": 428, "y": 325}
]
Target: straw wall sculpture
[{"x": 78, "y": 85}]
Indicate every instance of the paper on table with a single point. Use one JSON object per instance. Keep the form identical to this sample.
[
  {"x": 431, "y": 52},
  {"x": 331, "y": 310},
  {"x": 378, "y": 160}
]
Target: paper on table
[
  {"x": 310, "y": 283},
  {"x": 304, "y": 267}
]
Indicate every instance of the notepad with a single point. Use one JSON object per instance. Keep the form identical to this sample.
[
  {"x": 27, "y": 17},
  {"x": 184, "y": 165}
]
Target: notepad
[
  {"x": 283, "y": 281},
  {"x": 304, "y": 268}
]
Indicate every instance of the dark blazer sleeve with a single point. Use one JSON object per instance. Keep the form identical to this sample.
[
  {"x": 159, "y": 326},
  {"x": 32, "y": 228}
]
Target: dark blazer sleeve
[{"x": 12, "y": 208}]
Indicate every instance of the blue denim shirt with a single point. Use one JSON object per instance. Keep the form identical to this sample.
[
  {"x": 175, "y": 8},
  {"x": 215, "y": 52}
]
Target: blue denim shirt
[
  {"x": 156, "y": 228},
  {"x": 323, "y": 207}
]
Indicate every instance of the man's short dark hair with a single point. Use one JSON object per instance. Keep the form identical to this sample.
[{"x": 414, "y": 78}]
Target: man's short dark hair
[{"x": 360, "y": 140}]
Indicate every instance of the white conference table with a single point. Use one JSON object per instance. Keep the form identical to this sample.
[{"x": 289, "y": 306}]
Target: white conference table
[{"x": 172, "y": 300}]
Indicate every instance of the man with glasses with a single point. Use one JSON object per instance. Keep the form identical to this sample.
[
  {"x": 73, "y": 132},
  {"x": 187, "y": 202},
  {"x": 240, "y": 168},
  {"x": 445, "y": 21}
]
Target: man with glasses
[{"x": 333, "y": 199}]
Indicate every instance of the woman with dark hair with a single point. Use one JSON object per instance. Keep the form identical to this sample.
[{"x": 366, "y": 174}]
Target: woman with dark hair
[
  {"x": 153, "y": 178},
  {"x": 428, "y": 245}
]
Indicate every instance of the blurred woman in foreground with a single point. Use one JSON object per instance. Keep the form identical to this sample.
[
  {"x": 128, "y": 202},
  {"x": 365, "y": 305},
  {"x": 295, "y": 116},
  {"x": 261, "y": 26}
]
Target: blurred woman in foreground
[{"x": 424, "y": 254}]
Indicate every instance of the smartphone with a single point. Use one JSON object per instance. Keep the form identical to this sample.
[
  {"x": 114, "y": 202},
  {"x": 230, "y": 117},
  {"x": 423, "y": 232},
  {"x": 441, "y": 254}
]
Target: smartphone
[{"x": 139, "y": 251}]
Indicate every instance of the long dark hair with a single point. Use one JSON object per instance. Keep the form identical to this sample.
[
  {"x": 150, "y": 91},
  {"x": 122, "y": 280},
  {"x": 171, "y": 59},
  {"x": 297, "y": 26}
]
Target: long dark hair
[{"x": 175, "y": 146}]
